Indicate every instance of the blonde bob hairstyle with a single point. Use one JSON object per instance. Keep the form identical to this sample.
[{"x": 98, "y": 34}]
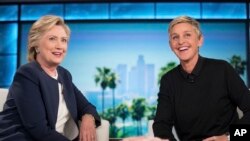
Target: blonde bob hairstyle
[
  {"x": 39, "y": 28},
  {"x": 185, "y": 19}
]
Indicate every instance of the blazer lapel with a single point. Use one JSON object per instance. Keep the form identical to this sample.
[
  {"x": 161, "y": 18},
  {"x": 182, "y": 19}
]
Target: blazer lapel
[
  {"x": 68, "y": 96},
  {"x": 51, "y": 99}
]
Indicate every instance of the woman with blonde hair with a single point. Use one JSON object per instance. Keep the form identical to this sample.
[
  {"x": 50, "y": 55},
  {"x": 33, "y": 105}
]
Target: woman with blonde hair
[
  {"x": 43, "y": 104},
  {"x": 200, "y": 96}
]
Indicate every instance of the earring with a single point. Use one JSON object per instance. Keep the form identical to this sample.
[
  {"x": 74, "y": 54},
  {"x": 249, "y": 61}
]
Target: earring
[{"x": 37, "y": 50}]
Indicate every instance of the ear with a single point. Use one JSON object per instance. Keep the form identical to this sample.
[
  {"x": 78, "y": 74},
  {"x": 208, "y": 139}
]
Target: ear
[
  {"x": 37, "y": 50},
  {"x": 169, "y": 43},
  {"x": 200, "y": 42}
]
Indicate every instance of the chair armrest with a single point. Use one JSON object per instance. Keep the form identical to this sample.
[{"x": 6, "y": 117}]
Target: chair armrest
[{"x": 102, "y": 131}]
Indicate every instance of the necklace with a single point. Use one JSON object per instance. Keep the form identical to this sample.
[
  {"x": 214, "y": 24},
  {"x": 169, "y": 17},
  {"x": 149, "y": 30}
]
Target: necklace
[
  {"x": 53, "y": 74},
  {"x": 56, "y": 75}
]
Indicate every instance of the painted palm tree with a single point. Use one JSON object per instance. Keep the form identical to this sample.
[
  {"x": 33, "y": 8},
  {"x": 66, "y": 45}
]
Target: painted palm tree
[
  {"x": 111, "y": 117},
  {"x": 238, "y": 64},
  {"x": 113, "y": 81},
  {"x": 138, "y": 110},
  {"x": 151, "y": 110},
  {"x": 102, "y": 78},
  {"x": 169, "y": 66},
  {"x": 122, "y": 111}
]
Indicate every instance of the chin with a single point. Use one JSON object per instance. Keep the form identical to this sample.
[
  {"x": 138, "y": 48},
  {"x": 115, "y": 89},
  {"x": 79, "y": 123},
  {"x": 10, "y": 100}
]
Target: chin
[
  {"x": 56, "y": 63},
  {"x": 183, "y": 57}
]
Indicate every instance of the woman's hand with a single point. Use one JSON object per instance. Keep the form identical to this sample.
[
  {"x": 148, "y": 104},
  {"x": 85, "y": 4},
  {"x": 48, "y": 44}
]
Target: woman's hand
[
  {"x": 87, "y": 129},
  {"x": 217, "y": 138}
]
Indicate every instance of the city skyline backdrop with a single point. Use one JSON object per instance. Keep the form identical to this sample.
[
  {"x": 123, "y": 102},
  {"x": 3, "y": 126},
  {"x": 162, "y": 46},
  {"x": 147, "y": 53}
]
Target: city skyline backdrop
[{"x": 126, "y": 47}]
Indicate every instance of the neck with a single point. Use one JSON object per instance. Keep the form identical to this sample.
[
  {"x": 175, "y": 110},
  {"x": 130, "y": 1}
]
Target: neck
[
  {"x": 49, "y": 69},
  {"x": 189, "y": 65}
]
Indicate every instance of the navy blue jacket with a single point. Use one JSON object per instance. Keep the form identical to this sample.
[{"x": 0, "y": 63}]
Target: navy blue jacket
[{"x": 30, "y": 112}]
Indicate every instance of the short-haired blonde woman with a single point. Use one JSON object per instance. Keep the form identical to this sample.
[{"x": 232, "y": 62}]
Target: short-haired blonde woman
[
  {"x": 199, "y": 97},
  {"x": 43, "y": 104}
]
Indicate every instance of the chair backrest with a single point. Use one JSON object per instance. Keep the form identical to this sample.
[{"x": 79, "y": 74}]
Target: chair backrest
[
  {"x": 102, "y": 131},
  {"x": 151, "y": 133},
  {"x": 150, "y": 128},
  {"x": 3, "y": 96}
]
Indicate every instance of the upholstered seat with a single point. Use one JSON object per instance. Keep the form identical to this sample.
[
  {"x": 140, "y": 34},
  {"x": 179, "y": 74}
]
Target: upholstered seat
[
  {"x": 102, "y": 131},
  {"x": 3, "y": 96}
]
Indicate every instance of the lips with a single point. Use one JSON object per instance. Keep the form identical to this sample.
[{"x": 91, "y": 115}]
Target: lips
[
  {"x": 183, "y": 48},
  {"x": 57, "y": 53}
]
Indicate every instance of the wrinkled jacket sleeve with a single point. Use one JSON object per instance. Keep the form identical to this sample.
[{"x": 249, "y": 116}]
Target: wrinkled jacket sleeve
[
  {"x": 85, "y": 107},
  {"x": 238, "y": 93},
  {"x": 164, "y": 120}
]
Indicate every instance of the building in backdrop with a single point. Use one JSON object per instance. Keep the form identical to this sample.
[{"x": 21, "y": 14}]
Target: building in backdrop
[{"x": 131, "y": 40}]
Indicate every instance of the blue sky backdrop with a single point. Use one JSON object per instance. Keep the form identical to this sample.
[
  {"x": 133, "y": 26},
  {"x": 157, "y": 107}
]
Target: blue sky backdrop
[{"x": 111, "y": 44}]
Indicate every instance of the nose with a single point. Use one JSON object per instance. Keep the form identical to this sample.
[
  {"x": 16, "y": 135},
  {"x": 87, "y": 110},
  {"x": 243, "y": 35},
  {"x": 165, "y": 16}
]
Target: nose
[
  {"x": 181, "y": 40},
  {"x": 59, "y": 45}
]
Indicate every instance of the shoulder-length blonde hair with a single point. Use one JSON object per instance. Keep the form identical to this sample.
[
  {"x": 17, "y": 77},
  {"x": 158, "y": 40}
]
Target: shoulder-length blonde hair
[{"x": 39, "y": 28}]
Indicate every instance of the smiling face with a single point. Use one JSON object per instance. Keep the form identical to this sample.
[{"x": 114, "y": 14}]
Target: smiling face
[
  {"x": 52, "y": 47},
  {"x": 185, "y": 42}
]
